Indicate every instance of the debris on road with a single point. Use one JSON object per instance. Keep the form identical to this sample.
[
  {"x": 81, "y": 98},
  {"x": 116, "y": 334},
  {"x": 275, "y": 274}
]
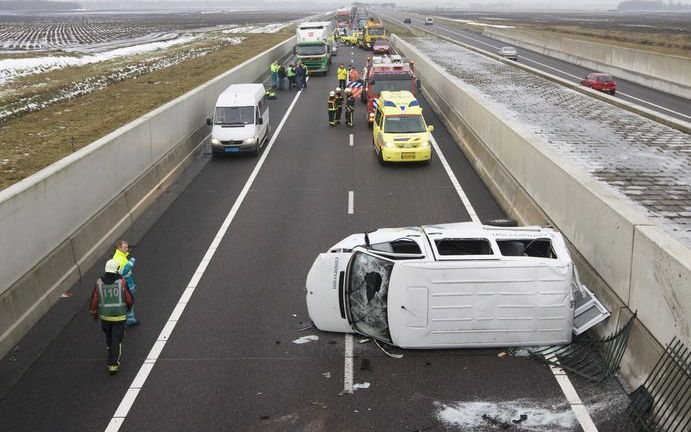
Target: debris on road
[
  {"x": 358, "y": 386},
  {"x": 501, "y": 354},
  {"x": 306, "y": 339},
  {"x": 326, "y": 374}
]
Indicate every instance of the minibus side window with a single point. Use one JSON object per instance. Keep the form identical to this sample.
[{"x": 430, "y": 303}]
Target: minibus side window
[
  {"x": 452, "y": 246},
  {"x": 538, "y": 248}
]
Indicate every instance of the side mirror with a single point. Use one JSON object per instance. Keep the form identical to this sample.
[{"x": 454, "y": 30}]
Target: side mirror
[
  {"x": 295, "y": 50},
  {"x": 430, "y": 128},
  {"x": 418, "y": 84},
  {"x": 209, "y": 122},
  {"x": 260, "y": 121}
]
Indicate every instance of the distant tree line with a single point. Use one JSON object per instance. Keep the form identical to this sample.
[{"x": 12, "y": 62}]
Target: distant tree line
[
  {"x": 42, "y": 5},
  {"x": 650, "y": 5}
]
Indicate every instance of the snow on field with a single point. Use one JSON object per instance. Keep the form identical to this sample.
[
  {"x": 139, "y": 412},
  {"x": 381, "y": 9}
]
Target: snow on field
[
  {"x": 80, "y": 88},
  {"x": 475, "y": 23},
  {"x": 14, "y": 68},
  {"x": 269, "y": 28}
]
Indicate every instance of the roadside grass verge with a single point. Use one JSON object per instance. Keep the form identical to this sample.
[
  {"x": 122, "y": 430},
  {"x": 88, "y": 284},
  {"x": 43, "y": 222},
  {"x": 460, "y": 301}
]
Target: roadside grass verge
[
  {"x": 35, "y": 140},
  {"x": 398, "y": 30}
]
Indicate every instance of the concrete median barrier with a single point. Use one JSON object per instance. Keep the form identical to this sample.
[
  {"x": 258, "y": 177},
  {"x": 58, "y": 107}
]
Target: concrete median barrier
[
  {"x": 58, "y": 222},
  {"x": 629, "y": 262},
  {"x": 667, "y": 73}
]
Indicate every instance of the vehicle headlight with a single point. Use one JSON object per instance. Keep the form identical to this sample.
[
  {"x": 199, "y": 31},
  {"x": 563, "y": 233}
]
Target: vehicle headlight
[
  {"x": 425, "y": 144},
  {"x": 251, "y": 140},
  {"x": 389, "y": 144},
  {"x": 215, "y": 141}
]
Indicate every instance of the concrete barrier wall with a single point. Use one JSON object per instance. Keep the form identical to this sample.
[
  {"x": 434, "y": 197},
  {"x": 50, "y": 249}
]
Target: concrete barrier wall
[
  {"x": 628, "y": 261},
  {"x": 662, "y": 72},
  {"x": 56, "y": 223}
]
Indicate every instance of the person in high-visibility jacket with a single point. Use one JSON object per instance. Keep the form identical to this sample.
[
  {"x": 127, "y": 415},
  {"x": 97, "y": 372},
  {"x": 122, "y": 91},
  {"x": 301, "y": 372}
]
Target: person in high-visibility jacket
[
  {"x": 349, "y": 107},
  {"x": 290, "y": 73},
  {"x": 332, "y": 108},
  {"x": 342, "y": 74},
  {"x": 274, "y": 74},
  {"x": 339, "y": 104},
  {"x": 125, "y": 268},
  {"x": 110, "y": 301}
]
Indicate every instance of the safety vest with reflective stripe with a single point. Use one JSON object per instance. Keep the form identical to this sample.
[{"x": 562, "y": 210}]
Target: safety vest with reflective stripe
[
  {"x": 342, "y": 73},
  {"x": 111, "y": 302},
  {"x": 274, "y": 67}
]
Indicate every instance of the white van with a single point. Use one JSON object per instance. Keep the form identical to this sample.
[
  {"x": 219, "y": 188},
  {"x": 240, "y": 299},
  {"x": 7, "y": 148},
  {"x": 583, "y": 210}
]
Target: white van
[
  {"x": 461, "y": 285},
  {"x": 429, "y": 21},
  {"x": 241, "y": 120}
]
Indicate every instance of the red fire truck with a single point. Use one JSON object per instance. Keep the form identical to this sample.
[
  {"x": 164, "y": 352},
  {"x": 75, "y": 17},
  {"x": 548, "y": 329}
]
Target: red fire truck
[{"x": 387, "y": 74}]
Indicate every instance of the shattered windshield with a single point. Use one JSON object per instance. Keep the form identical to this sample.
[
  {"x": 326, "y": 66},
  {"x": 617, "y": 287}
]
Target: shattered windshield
[{"x": 368, "y": 286}]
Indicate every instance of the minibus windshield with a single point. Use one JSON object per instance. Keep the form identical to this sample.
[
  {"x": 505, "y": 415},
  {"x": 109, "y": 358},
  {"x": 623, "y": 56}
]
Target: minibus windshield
[
  {"x": 366, "y": 295},
  {"x": 234, "y": 115}
]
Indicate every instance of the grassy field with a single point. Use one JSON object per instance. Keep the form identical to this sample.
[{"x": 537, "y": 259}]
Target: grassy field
[{"x": 35, "y": 140}]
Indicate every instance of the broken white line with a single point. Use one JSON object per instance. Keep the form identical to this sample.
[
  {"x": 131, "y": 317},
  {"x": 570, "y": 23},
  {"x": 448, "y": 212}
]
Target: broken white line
[
  {"x": 350, "y": 202},
  {"x": 351, "y": 139}
]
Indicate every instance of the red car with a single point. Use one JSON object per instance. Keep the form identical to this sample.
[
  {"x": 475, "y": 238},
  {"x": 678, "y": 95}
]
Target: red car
[{"x": 600, "y": 81}]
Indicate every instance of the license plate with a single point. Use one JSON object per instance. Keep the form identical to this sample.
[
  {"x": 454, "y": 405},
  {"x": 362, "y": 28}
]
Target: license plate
[
  {"x": 408, "y": 155},
  {"x": 231, "y": 149}
]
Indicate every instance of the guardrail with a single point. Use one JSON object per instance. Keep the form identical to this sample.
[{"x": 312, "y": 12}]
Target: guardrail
[
  {"x": 627, "y": 260},
  {"x": 57, "y": 222}
]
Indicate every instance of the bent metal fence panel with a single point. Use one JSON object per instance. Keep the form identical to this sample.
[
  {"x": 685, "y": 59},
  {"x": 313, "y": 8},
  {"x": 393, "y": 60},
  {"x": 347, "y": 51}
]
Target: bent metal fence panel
[
  {"x": 594, "y": 360},
  {"x": 663, "y": 402}
]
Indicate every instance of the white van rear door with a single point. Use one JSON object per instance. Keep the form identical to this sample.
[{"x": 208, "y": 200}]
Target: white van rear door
[{"x": 589, "y": 311}]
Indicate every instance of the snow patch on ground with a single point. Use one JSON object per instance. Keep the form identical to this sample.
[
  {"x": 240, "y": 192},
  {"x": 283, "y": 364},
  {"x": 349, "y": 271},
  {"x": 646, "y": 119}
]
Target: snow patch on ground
[
  {"x": 268, "y": 28},
  {"x": 306, "y": 339},
  {"x": 468, "y": 416},
  {"x": 13, "y": 68},
  {"x": 89, "y": 85}
]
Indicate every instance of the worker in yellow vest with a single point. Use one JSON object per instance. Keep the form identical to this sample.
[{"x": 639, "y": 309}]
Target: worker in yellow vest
[{"x": 342, "y": 74}]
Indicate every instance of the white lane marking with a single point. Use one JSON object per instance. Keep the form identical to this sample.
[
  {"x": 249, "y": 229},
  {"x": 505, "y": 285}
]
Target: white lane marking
[
  {"x": 348, "y": 366},
  {"x": 350, "y": 202},
  {"x": 577, "y": 78},
  {"x": 351, "y": 139},
  {"x": 454, "y": 181},
  {"x": 572, "y": 397},
  {"x": 148, "y": 365}
]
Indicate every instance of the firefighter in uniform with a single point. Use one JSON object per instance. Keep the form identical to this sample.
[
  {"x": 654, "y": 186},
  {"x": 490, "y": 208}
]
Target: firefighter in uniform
[
  {"x": 110, "y": 301},
  {"x": 332, "y": 108},
  {"x": 339, "y": 104},
  {"x": 349, "y": 107}
]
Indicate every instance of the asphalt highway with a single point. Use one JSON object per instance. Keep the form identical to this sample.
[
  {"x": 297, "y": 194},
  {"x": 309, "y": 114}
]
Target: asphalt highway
[
  {"x": 230, "y": 361},
  {"x": 655, "y": 100}
]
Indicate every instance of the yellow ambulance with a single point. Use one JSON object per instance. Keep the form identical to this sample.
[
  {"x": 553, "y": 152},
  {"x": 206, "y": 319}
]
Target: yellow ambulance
[{"x": 400, "y": 133}]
